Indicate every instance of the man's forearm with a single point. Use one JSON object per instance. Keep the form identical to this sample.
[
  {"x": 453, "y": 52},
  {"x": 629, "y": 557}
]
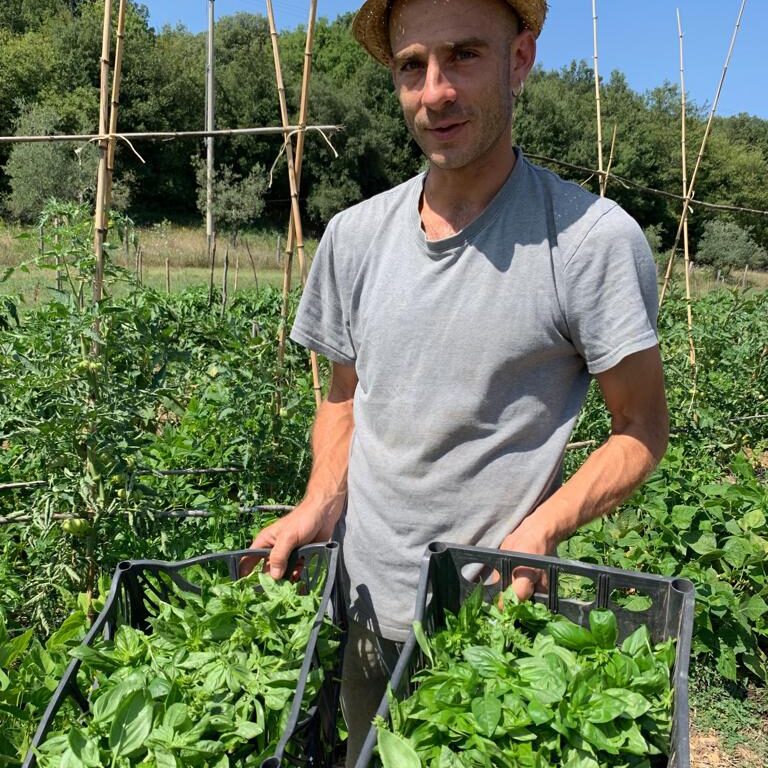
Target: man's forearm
[
  {"x": 331, "y": 436},
  {"x": 634, "y": 394},
  {"x": 605, "y": 480}
]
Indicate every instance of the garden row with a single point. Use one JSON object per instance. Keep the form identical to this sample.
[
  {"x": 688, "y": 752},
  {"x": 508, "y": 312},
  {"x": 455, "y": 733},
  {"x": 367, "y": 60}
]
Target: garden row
[{"x": 178, "y": 384}]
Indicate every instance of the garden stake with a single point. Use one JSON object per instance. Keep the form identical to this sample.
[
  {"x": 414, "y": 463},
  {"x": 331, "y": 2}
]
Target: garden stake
[
  {"x": 295, "y": 211},
  {"x": 224, "y": 281},
  {"x": 689, "y": 194},
  {"x": 686, "y": 252},
  {"x": 597, "y": 104},
  {"x": 116, "y": 80}
]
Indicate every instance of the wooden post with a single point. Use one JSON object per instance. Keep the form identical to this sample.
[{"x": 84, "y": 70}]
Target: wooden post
[
  {"x": 167, "y": 274},
  {"x": 59, "y": 261},
  {"x": 237, "y": 271},
  {"x": 224, "y": 281},
  {"x": 689, "y": 194},
  {"x": 212, "y": 266}
]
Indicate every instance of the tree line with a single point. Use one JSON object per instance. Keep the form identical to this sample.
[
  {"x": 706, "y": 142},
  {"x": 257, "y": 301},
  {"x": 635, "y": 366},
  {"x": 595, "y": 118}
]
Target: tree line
[{"x": 49, "y": 82}]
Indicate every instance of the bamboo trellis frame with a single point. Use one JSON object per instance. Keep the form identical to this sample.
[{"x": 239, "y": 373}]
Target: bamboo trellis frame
[
  {"x": 170, "y": 135},
  {"x": 691, "y": 185},
  {"x": 288, "y": 267},
  {"x": 625, "y": 182},
  {"x": 293, "y": 164}
]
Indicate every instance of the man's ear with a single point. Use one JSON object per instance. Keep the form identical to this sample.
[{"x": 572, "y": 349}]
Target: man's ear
[{"x": 522, "y": 57}]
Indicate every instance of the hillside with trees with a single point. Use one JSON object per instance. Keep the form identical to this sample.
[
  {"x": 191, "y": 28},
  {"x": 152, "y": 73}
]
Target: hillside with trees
[{"x": 49, "y": 75}]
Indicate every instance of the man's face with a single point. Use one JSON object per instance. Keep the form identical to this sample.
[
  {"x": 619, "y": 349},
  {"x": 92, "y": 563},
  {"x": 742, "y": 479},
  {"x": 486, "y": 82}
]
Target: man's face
[{"x": 454, "y": 63}]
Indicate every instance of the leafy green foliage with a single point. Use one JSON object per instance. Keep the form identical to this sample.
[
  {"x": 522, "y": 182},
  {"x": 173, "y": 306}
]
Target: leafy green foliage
[
  {"x": 175, "y": 385},
  {"x": 213, "y": 680},
  {"x": 29, "y": 673},
  {"x": 726, "y": 246},
  {"x": 518, "y": 685},
  {"x": 705, "y": 508},
  {"x": 38, "y": 172},
  {"x": 236, "y": 201}
]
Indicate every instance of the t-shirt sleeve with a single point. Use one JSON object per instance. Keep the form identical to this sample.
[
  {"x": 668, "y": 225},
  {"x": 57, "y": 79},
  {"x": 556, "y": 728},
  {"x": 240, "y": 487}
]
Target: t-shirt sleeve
[
  {"x": 611, "y": 302},
  {"x": 322, "y": 318}
]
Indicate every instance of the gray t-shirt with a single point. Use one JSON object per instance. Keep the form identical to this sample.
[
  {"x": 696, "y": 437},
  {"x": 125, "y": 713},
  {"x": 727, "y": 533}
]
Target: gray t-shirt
[{"x": 473, "y": 355}]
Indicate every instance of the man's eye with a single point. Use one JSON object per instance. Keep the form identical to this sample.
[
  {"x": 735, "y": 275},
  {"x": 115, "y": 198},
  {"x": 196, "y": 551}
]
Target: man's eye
[
  {"x": 410, "y": 66},
  {"x": 462, "y": 55}
]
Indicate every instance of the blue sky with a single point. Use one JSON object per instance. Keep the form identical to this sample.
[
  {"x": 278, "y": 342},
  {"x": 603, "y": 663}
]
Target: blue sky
[{"x": 640, "y": 39}]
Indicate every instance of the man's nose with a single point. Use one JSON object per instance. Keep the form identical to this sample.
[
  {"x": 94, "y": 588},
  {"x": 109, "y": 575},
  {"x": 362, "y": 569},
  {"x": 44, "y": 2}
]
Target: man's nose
[{"x": 438, "y": 88}]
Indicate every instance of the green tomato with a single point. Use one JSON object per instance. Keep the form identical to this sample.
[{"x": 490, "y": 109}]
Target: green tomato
[{"x": 76, "y": 526}]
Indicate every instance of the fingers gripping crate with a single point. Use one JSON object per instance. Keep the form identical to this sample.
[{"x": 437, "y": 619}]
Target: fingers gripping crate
[
  {"x": 140, "y": 587},
  {"x": 449, "y": 574}
]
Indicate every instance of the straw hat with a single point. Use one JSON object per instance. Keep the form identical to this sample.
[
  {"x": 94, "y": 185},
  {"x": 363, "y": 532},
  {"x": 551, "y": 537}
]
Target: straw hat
[{"x": 371, "y": 24}]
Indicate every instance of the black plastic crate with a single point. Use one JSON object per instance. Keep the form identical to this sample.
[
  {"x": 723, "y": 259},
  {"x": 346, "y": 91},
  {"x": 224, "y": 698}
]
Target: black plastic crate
[
  {"x": 137, "y": 584},
  {"x": 450, "y": 573}
]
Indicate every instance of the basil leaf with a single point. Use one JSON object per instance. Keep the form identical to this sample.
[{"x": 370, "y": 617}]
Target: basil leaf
[
  {"x": 604, "y": 628},
  {"x": 132, "y": 724},
  {"x": 396, "y": 752}
]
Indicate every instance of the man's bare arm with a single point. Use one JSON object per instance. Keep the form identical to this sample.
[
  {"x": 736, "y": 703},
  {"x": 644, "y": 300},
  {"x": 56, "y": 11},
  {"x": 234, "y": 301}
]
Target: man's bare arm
[
  {"x": 634, "y": 394},
  {"x": 317, "y": 514}
]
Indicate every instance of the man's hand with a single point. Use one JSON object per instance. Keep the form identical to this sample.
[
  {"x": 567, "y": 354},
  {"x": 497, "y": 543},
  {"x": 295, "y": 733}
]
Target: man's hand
[
  {"x": 315, "y": 518},
  {"x": 530, "y": 540},
  {"x": 304, "y": 525}
]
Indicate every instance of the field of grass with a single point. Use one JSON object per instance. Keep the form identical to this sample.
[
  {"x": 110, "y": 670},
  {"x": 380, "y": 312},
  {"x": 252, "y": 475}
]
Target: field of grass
[{"x": 255, "y": 259}]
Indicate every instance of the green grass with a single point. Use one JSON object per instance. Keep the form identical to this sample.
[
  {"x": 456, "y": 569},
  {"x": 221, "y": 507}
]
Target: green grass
[
  {"x": 260, "y": 261},
  {"x": 736, "y": 712}
]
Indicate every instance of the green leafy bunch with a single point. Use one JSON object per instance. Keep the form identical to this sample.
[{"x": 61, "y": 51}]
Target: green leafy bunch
[
  {"x": 213, "y": 681},
  {"x": 518, "y": 686},
  {"x": 703, "y": 514},
  {"x": 714, "y": 533},
  {"x": 29, "y": 674}
]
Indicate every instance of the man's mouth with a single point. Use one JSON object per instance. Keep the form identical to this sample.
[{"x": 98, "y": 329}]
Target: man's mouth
[{"x": 447, "y": 130}]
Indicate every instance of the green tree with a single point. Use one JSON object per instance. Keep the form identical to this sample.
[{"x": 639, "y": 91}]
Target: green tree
[
  {"x": 38, "y": 172},
  {"x": 726, "y": 246},
  {"x": 237, "y": 201}
]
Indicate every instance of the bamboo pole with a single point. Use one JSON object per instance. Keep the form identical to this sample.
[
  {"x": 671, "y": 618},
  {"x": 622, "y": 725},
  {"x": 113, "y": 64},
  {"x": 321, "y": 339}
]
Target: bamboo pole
[
  {"x": 115, "y": 103},
  {"x": 166, "y": 135},
  {"x": 288, "y": 265},
  {"x": 101, "y": 184},
  {"x": 292, "y": 175},
  {"x": 288, "y": 143},
  {"x": 610, "y": 157},
  {"x": 691, "y": 185},
  {"x": 684, "y": 167},
  {"x": 303, "y": 106},
  {"x": 597, "y": 103},
  {"x": 94, "y": 495}
]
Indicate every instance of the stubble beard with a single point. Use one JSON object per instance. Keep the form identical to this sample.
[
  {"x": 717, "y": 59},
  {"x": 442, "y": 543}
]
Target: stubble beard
[{"x": 490, "y": 127}]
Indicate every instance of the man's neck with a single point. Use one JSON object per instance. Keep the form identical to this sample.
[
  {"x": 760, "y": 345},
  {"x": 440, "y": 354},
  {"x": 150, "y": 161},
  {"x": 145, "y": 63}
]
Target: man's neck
[{"x": 453, "y": 199}]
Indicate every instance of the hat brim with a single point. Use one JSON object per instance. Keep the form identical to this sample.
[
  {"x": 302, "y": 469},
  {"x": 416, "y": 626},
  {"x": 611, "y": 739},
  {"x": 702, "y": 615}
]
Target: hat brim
[{"x": 370, "y": 26}]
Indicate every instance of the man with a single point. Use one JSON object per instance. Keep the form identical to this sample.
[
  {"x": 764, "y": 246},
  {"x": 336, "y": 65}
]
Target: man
[{"x": 464, "y": 313}]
